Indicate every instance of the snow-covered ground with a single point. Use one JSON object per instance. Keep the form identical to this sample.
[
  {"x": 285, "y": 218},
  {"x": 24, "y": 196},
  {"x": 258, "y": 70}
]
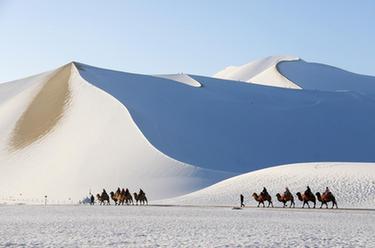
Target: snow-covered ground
[
  {"x": 110, "y": 226},
  {"x": 353, "y": 185}
]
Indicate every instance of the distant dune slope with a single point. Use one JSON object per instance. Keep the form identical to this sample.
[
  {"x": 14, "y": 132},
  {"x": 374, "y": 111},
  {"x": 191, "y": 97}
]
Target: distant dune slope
[
  {"x": 353, "y": 185},
  {"x": 262, "y": 71},
  {"x": 317, "y": 76},
  {"x": 239, "y": 127}
]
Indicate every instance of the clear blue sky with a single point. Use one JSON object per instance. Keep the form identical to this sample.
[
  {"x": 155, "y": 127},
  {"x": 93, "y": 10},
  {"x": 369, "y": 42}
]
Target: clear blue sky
[{"x": 195, "y": 36}]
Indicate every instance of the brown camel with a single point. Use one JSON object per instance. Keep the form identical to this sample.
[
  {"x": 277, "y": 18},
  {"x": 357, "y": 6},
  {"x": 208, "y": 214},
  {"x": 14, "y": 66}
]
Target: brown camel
[
  {"x": 121, "y": 197},
  {"x": 103, "y": 198},
  {"x": 305, "y": 198},
  {"x": 325, "y": 198},
  {"x": 284, "y": 198},
  {"x": 114, "y": 197},
  {"x": 261, "y": 198},
  {"x": 141, "y": 198}
]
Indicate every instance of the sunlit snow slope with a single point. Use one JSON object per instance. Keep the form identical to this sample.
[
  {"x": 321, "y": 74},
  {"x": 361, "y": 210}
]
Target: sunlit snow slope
[
  {"x": 353, "y": 185},
  {"x": 262, "y": 71},
  {"x": 62, "y": 137}
]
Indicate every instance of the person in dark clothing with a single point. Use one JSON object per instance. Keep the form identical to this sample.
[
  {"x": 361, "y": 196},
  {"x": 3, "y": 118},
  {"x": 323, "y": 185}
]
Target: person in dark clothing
[
  {"x": 242, "y": 200},
  {"x": 141, "y": 192},
  {"x": 308, "y": 191},
  {"x": 264, "y": 191},
  {"x": 92, "y": 200}
]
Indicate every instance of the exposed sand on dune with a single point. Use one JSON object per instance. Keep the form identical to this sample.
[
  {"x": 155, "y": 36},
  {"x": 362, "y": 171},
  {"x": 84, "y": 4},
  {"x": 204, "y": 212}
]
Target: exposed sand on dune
[{"x": 44, "y": 111}]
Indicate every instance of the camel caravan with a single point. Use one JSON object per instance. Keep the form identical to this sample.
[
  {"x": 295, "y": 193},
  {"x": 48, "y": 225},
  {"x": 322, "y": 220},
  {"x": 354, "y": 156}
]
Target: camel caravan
[
  {"x": 287, "y": 196},
  {"x": 120, "y": 197}
]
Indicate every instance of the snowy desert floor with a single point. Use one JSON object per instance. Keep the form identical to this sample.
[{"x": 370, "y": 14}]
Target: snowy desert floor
[{"x": 153, "y": 226}]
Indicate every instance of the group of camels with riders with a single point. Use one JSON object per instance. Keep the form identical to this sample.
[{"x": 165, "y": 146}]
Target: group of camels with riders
[
  {"x": 305, "y": 197},
  {"x": 121, "y": 197}
]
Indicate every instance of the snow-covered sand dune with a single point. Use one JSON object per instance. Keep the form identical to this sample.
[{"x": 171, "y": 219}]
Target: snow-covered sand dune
[
  {"x": 63, "y": 148},
  {"x": 240, "y": 127},
  {"x": 262, "y": 71},
  {"x": 353, "y": 185},
  {"x": 81, "y": 128},
  {"x": 292, "y": 72}
]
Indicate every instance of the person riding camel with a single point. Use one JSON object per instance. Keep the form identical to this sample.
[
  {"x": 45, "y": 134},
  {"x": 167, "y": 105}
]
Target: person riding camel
[
  {"x": 308, "y": 191},
  {"x": 264, "y": 191},
  {"x": 141, "y": 192},
  {"x": 104, "y": 192},
  {"x": 327, "y": 191},
  {"x": 287, "y": 192}
]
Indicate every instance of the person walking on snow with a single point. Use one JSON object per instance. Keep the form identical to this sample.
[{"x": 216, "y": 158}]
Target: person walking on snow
[{"x": 242, "y": 200}]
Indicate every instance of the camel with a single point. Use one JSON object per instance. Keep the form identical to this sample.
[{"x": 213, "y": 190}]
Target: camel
[
  {"x": 305, "y": 198},
  {"x": 261, "y": 198},
  {"x": 104, "y": 197},
  {"x": 284, "y": 198},
  {"x": 325, "y": 198},
  {"x": 128, "y": 197},
  {"x": 121, "y": 197},
  {"x": 141, "y": 198},
  {"x": 114, "y": 197}
]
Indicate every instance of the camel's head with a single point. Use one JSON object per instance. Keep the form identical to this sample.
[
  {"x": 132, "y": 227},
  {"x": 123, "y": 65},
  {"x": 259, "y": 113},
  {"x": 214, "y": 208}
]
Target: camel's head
[
  {"x": 98, "y": 195},
  {"x": 298, "y": 194},
  {"x": 111, "y": 193},
  {"x": 317, "y": 194},
  {"x": 278, "y": 195},
  {"x": 254, "y": 195}
]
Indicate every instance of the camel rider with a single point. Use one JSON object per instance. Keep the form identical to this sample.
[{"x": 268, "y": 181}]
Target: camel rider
[
  {"x": 141, "y": 192},
  {"x": 264, "y": 192},
  {"x": 327, "y": 191},
  {"x": 104, "y": 192},
  {"x": 287, "y": 192},
  {"x": 308, "y": 191}
]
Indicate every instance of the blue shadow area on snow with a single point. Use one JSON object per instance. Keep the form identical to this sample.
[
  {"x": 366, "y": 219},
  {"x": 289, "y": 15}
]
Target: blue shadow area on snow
[{"x": 240, "y": 127}]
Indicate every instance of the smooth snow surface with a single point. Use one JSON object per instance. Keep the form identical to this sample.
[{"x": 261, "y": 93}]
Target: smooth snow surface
[
  {"x": 85, "y": 226},
  {"x": 240, "y": 127},
  {"x": 353, "y": 185},
  {"x": 262, "y": 71}
]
